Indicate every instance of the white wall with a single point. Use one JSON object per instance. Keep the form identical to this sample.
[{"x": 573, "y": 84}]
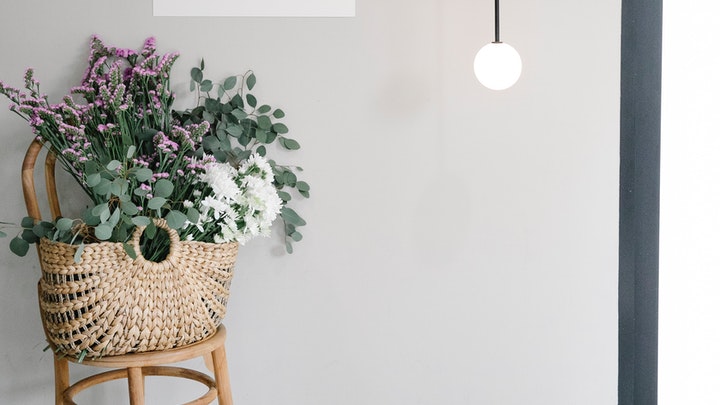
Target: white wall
[
  {"x": 462, "y": 243},
  {"x": 689, "y": 217}
]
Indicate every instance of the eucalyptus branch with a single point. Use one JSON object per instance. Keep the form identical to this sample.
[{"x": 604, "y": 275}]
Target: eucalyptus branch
[{"x": 241, "y": 126}]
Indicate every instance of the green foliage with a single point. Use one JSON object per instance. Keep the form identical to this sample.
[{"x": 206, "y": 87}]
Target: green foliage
[
  {"x": 239, "y": 126},
  {"x": 139, "y": 160}
]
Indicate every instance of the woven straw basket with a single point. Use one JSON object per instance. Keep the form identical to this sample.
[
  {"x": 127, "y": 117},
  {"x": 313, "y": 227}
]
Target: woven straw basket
[{"x": 109, "y": 304}]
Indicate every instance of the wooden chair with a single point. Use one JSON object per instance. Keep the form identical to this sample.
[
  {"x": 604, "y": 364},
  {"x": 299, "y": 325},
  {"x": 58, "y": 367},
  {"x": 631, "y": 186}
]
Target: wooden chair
[{"x": 134, "y": 367}]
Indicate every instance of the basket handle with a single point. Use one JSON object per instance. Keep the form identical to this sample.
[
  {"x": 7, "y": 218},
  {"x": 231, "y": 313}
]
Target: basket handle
[
  {"x": 28, "y": 182},
  {"x": 172, "y": 234}
]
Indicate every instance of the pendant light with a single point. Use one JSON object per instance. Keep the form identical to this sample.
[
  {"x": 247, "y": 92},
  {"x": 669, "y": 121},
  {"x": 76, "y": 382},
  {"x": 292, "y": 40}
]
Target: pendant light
[{"x": 497, "y": 64}]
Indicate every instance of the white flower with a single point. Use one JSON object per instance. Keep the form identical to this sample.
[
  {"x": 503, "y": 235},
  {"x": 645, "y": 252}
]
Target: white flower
[
  {"x": 259, "y": 162},
  {"x": 221, "y": 178},
  {"x": 243, "y": 202},
  {"x": 218, "y": 207}
]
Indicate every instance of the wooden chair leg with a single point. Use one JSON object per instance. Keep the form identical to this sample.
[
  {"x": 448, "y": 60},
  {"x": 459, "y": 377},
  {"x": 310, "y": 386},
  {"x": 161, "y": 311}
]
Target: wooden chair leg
[
  {"x": 62, "y": 379},
  {"x": 222, "y": 377},
  {"x": 136, "y": 385}
]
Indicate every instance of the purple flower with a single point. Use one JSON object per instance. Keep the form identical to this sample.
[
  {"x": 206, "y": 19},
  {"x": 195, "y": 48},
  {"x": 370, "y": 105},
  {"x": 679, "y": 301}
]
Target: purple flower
[
  {"x": 125, "y": 53},
  {"x": 148, "y": 47}
]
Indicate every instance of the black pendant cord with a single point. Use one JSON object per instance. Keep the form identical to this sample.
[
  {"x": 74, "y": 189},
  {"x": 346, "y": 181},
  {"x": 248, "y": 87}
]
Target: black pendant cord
[{"x": 497, "y": 21}]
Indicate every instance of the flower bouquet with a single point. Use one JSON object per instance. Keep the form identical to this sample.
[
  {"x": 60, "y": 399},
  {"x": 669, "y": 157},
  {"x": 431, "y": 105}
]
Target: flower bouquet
[{"x": 172, "y": 196}]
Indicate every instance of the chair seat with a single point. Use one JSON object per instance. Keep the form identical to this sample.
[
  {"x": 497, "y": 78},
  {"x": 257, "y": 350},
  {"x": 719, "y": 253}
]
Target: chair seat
[{"x": 135, "y": 367}]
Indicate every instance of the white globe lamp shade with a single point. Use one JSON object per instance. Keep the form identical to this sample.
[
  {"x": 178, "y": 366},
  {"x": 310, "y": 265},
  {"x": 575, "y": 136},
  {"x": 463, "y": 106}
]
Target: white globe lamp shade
[{"x": 498, "y": 66}]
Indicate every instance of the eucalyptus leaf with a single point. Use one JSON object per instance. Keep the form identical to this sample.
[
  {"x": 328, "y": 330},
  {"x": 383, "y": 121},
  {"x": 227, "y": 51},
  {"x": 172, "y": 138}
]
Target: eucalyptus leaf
[
  {"x": 237, "y": 101},
  {"x": 141, "y": 221},
  {"x": 243, "y": 154},
  {"x": 264, "y": 109},
  {"x": 115, "y": 217},
  {"x": 163, "y": 188},
  {"x": 302, "y": 186},
  {"x": 206, "y": 86},
  {"x": 238, "y": 113},
  {"x": 264, "y": 122},
  {"x": 151, "y": 230},
  {"x": 289, "y": 178},
  {"x": 212, "y": 105},
  {"x": 284, "y": 196},
  {"x": 220, "y": 155},
  {"x": 113, "y": 165},
  {"x": 120, "y": 233},
  {"x": 280, "y": 128},
  {"x": 230, "y": 82},
  {"x": 105, "y": 214},
  {"x": 99, "y": 209},
  {"x": 118, "y": 186},
  {"x": 40, "y": 229},
  {"x": 290, "y": 144},
  {"x": 244, "y": 139},
  {"x": 129, "y": 208},
  {"x": 156, "y": 203},
  {"x": 130, "y": 152},
  {"x": 196, "y": 74},
  {"x": 103, "y": 231},
  {"x": 175, "y": 219},
  {"x": 19, "y": 246},
  {"x": 210, "y": 118},
  {"x": 224, "y": 145},
  {"x": 278, "y": 113},
  {"x": 143, "y": 174},
  {"x": 78, "y": 253},
  {"x": 290, "y": 216},
  {"x": 29, "y": 236},
  {"x": 193, "y": 215},
  {"x": 251, "y": 80},
  {"x": 93, "y": 179},
  {"x": 230, "y": 118},
  {"x": 211, "y": 143},
  {"x": 130, "y": 250},
  {"x": 127, "y": 221},
  {"x": 89, "y": 218},
  {"x": 251, "y": 100},
  {"x": 103, "y": 187},
  {"x": 27, "y": 222},
  {"x": 261, "y": 136},
  {"x": 234, "y": 130}
]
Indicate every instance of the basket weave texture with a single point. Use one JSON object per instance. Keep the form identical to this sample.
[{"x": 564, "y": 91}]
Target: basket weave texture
[{"x": 109, "y": 304}]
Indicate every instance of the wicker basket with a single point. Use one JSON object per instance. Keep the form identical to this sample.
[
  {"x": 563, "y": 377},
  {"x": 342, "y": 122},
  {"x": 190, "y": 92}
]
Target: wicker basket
[{"x": 110, "y": 304}]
